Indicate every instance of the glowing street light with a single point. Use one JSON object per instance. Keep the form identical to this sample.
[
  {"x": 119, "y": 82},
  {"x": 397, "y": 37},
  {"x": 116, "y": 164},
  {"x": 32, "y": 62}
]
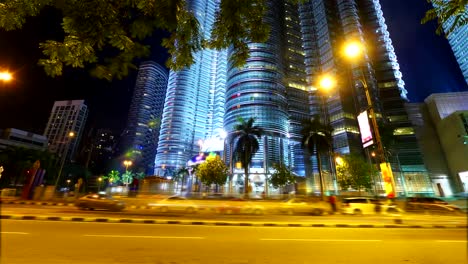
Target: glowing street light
[
  {"x": 327, "y": 83},
  {"x": 353, "y": 49},
  {"x": 5, "y": 76},
  {"x": 127, "y": 163},
  {"x": 339, "y": 161},
  {"x": 70, "y": 137},
  {"x": 99, "y": 184}
]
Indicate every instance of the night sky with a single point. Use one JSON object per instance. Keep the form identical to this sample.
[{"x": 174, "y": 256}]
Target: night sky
[{"x": 426, "y": 60}]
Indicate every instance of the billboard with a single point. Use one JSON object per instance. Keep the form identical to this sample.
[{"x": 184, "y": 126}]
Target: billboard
[
  {"x": 364, "y": 128},
  {"x": 389, "y": 182}
]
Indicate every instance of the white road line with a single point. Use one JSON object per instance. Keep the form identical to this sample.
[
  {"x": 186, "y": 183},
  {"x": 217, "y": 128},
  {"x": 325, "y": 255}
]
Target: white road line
[
  {"x": 320, "y": 240},
  {"x": 15, "y": 233},
  {"x": 451, "y": 241},
  {"x": 160, "y": 237}
]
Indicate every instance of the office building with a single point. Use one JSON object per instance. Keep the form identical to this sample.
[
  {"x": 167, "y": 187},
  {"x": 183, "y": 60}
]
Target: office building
[
  {"x": 12, "y": 137},
  {"x": 459, "y": 42},
  {"x": 441, "y": 128},
  {"x": 66, "y": 117},
  {"x": 194, "y": 105},
  {"x": 140, "y": 138},
  {"x": 277, "y": 87}
]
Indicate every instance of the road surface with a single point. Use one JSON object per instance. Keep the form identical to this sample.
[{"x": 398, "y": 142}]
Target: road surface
[{"x": 26, "y": 242}]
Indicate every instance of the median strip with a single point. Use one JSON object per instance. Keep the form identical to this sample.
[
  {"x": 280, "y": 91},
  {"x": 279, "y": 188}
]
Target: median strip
[{"x": 242, "y": 223}]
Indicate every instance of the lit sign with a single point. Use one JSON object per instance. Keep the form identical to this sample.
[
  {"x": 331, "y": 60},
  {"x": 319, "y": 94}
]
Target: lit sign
[
  {"x": 364, "y": 128},
  {"x": 388, "y": 179}
]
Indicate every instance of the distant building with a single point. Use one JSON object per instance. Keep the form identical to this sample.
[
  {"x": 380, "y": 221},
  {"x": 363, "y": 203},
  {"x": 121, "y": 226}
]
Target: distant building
[
  {"x": 66, "y": 116},
  {"x": 12, "y": 137},
  {"x": 458, "y": 40},
  {"x": 441, "y": 126},
  {"x": 103, "y": 147},
  {"x": 140, "y": 137}
]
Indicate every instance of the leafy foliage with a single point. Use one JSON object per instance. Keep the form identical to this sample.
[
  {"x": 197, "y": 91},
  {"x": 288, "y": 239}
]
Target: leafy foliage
[
  {"x": 443, "y": 11},
  {"x": 110, "y": 34},
  {"x": 213, "y": 171},
  {"x": 282, "y": 176},
  {"x": 113, "y": 177},
  {"x": 139, "y": 175},
  {"x": 354, "y": 172},
  {"x": 127, "y": 177},
  {"x": 245, "y": 138},
  {"x": 180, "y": 174}
]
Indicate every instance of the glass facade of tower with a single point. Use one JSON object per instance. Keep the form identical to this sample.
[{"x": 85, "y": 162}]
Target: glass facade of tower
[
  {"x": 459, "y": 42},
  {"x": 194, "y": 105},
  {"x": 140, "y": 138}
]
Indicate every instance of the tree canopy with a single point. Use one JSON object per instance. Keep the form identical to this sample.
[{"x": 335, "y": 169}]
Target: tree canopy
[
  {"x": 453, "y": 12},
  {"x": 120, "y": 28},
  {"x": 354, "y": 172},
  {"x": 282, "y": 176},
  {"x": 213, "y": 171}
]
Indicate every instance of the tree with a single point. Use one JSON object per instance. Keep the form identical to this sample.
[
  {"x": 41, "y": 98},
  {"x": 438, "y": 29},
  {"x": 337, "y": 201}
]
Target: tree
[
  {"x": 140, "y": 175},
  {"x": 113, "y": 177},
  {"x": 317, "y": 138},
  {"x": 245, "y": 141},
  {"x": 213, "y": 171},
  {"x": 282, "y": 176},
  {"x": 127, "y": 177},
  {"x": 110, "y": 34},
  {"x": 444, "y": 11},
  {"x": 354, "y": 172}
]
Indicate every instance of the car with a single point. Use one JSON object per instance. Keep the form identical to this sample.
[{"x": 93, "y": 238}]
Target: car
[
  {"x": 430, "y": 205},
  {"x": 366, "y": 206},
  {"x": 99, "y": 201},
  {"x": 240, "y": 206},
  {"x": 175, "y": 204},
  {"x": 303, "y": 206}
]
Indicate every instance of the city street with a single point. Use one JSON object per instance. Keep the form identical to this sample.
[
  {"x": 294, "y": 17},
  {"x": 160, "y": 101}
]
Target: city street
[
  {"x": 79, "y": 243},
  {"x": 71, "y": 211}
]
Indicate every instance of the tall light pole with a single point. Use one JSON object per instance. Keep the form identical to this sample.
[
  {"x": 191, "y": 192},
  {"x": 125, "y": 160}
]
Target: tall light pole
[
  {"x": 69, "y": 138},
  {"x": 354, "y": 50},
  {"x": 5, "y": 76},
  {"x": 127, "y": 163}
]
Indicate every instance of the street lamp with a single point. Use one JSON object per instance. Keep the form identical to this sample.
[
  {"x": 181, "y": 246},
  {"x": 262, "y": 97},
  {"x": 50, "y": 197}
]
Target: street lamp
[
  {"x": 99, "y": 184},
  {"x": 127, "y": 163},
  {"x": 354, "y": 50},
  {"x": 69, "y": 138},
  {"x": 5, "y": 76}
]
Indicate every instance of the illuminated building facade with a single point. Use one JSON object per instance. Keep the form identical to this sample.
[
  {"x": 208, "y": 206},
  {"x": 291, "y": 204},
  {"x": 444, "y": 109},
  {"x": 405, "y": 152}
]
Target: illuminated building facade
[
  {"x": 140, "y": 138},
  {"x": 194, "y": 105},
  {"x": 66, "y": 116}
]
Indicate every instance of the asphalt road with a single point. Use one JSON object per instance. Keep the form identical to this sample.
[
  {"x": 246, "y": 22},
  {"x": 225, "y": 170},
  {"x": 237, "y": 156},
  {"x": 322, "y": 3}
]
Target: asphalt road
[
  {"x": 87, "y": 243},
  {"x": 152, "y": 214}
]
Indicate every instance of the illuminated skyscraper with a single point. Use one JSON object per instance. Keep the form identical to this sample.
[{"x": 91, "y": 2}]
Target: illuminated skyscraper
[
  {"x": 194, "y": 105},
  {"x": 66, "y": 116},
  {"x": 140, "y": 138},
  {"x": 459, "y": 42}
]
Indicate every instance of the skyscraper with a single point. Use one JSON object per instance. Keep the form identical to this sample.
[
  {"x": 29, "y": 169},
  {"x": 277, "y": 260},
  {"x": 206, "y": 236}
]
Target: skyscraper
[
  {"x": 66, "y": 116},
  {"x": 277, "y": 86},
  {"x": 459, "y": 42},
  {"x": 194, "y": 105},
  {"x": 140, "y": 138}
]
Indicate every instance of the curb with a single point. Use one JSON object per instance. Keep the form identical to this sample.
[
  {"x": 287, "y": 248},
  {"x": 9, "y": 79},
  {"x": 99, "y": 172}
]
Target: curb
[{"x": 216, "y": 223}]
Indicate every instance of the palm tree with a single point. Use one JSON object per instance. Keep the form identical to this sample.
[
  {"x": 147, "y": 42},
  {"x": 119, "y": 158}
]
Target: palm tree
[
  {"x": 444, "y": 11},
  {"x": 317, "y": 137},
  {"x": 245, "y": 138}
]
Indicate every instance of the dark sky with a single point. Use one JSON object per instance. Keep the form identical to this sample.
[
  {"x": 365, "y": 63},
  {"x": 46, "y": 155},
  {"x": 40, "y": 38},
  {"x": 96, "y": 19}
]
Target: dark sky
[{"x": 426, "y": 61}]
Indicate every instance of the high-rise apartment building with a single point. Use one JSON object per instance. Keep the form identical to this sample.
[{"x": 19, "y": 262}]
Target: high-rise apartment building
[
  {"x": 66, "y": 116},
  {"x": 459, "y": 42},
  {"x": 194, "y": 105},
  {"x": 277, "y": 86},
  {"x": 140, "y": 138}
]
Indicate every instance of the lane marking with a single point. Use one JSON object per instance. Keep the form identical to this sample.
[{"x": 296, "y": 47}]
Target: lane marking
[
  {"x": 157, "y": 237},
  {"x": 15, "y": 233},
  {"x": 320, "y": 240},
  {"x": 451, "y": 241}
]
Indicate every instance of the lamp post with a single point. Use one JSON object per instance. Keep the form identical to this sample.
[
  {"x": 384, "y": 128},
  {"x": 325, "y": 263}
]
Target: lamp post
[
  {"x": 5, "y": 76},
  {"x": 69, "y": 138},
  {"x": 127, "y": 163},
  {"x": 99, "y": 183},
  {"x": 354, "y": 50}
]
